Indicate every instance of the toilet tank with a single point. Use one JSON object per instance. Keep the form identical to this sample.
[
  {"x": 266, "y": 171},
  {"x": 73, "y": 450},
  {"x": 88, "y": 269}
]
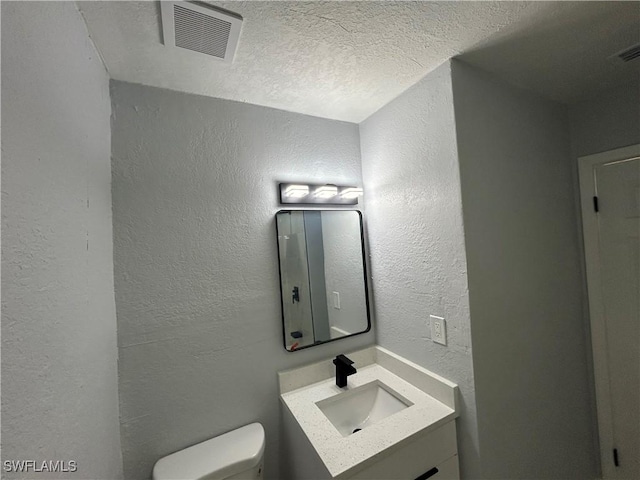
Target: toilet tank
[{"x": 235, "y": 455}]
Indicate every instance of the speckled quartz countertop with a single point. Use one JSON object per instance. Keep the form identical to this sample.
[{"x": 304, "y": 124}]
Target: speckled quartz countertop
[{"x": 433, "y": 399}]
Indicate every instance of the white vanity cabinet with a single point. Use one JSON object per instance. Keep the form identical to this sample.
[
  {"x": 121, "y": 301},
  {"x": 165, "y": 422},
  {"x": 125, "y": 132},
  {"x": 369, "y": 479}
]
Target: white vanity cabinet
[{"x": 414, "y": 438}]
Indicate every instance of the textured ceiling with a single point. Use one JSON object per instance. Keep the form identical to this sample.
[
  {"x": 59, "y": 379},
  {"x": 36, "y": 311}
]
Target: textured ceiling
[
  {"x": 564, "y": 52},
  {"x": 344, "y": 60}
]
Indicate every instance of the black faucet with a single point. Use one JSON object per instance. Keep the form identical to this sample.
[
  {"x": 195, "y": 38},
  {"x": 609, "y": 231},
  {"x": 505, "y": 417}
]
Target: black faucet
[
  {"x": 344, "y": 368},
  {"x": 295, "y": 294}
]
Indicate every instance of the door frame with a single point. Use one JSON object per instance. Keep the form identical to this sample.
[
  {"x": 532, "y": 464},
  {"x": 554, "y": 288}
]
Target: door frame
[{"x": 588, "y": 190}]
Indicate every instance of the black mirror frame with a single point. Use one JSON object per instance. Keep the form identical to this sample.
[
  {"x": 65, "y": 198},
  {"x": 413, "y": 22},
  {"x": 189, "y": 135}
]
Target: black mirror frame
[{"x": 364, "y": 271}]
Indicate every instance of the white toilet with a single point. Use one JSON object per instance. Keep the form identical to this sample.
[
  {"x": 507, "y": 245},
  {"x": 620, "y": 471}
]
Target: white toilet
[{"x": 236, "y": 454}]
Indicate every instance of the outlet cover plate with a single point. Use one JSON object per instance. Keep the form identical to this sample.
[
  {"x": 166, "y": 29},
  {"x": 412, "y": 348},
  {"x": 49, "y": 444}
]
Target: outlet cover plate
[
  {"x": 336, "y": 300},
  {"x": 438, "y": 329}
]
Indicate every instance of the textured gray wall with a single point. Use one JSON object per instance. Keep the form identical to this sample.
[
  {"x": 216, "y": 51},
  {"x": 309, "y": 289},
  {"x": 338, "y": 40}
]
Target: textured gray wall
[
  {"x": 59, "y": 387},
  {"x": 606, "y": 121},
  {"x": 414, "y": 219},
  {"x": 530, "y": 352},
  {"x": 196, "y": 271}
]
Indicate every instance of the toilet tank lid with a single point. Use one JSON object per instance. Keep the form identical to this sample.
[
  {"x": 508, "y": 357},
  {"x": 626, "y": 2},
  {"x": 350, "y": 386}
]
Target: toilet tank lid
[{"x": 220, "y": 457}]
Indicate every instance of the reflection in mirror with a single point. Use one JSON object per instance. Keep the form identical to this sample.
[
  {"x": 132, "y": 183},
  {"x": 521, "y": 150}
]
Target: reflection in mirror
[{"x": 322, "y": 276}]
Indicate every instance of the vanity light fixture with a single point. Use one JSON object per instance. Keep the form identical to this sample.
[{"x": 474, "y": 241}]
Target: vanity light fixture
[{"x": 315, "y": 194}]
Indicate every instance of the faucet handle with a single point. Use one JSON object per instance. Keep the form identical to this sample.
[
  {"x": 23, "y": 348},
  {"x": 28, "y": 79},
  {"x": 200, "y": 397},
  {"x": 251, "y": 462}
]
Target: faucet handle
[{"x": 342, "y": 359}]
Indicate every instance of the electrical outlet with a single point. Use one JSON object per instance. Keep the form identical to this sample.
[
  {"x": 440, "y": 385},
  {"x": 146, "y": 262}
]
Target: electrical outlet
[{"x": 438, "y": 329}]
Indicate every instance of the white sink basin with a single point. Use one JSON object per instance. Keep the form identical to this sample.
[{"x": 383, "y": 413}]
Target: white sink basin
[{"x": 356, "y": 409}]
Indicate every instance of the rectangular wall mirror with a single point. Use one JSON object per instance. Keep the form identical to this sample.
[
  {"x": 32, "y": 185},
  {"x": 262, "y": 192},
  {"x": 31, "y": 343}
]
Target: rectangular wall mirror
[{"x": 323, "y": 281}]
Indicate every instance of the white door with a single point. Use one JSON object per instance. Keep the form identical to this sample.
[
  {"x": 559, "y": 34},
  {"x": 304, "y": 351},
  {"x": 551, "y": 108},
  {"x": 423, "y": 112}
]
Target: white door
[{"x": 610, "y": 191}]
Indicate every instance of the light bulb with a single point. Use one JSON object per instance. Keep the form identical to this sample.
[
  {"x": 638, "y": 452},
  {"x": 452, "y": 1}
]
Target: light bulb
[
  {"x": 296, "y": 191},
  {"x": 325, "y": 191},
  {"x": 351, "y": 192}
]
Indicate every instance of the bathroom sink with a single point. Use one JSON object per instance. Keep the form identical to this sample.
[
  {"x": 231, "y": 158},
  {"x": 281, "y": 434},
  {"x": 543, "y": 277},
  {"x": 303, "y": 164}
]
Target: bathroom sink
[{"x": 361, "y": 407}]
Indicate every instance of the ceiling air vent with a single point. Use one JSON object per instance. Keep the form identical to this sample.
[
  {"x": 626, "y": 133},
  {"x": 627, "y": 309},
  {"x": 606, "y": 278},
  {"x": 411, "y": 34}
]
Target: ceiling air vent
[
  {"x": 201, "y": 28},
  {"x": 627, "y": 54}
]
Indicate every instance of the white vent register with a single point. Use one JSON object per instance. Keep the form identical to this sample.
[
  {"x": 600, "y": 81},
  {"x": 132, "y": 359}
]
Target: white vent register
[{"x": 201, "y": 28}]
